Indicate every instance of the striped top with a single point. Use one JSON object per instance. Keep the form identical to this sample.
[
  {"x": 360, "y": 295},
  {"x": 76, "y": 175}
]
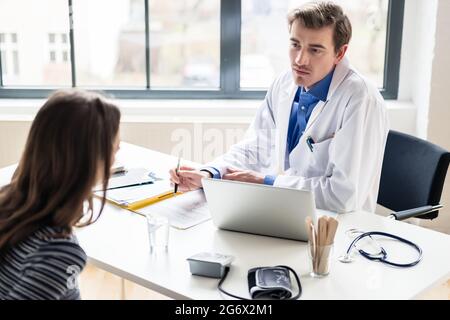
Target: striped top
[{"x": 42, "y": 267}]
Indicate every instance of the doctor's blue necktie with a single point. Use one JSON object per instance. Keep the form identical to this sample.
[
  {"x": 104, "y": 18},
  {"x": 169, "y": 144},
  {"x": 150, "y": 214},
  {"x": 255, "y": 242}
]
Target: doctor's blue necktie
[{"x": 302, "y": 107}]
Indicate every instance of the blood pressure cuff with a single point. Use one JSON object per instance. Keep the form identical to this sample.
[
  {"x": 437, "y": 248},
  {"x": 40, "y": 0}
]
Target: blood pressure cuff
[{"x": 269, "y": 283}]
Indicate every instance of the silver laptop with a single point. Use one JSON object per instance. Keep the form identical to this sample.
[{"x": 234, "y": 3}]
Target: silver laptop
[{"x": 259, "y": 209}]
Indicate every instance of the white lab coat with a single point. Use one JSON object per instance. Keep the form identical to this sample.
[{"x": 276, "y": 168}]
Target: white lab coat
[{"x": 349, "y": 130}]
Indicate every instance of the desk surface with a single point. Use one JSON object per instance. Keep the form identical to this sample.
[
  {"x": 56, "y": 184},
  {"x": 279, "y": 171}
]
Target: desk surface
[{"x": 118, "y": 243}]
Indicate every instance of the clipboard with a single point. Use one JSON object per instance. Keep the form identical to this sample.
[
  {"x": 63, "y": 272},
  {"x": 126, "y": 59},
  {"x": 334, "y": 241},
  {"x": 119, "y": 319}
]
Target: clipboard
[{"x": 137, "y": 197}]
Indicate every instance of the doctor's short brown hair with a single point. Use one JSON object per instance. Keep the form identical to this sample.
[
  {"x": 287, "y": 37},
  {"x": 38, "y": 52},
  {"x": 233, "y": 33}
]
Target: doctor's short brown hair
[{"x": 316, "y": 15}]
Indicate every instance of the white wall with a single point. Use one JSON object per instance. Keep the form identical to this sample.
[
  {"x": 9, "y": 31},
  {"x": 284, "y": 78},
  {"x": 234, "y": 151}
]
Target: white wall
[
  {"x": 417, "y": 57},
  {"x": 438, "y": 129},
  {"x": 211, "y": 126},
  {"x": 424, "y": 65}
]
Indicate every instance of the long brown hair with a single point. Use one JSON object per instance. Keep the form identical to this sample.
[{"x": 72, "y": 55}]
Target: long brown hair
[{"x": 70, "y": 140}]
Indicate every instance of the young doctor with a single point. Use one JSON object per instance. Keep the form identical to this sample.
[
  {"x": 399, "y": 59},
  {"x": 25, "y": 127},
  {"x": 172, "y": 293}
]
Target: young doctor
[{"x": 322, "y": 126}]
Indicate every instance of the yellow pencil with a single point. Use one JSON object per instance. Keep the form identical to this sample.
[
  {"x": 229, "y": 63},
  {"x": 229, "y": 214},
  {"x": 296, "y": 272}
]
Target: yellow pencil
[{"x": 146, "y": 202}]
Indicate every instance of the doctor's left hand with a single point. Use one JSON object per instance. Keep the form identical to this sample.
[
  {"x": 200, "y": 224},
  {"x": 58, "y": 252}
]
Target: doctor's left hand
[{"x": 243, "y": 175}]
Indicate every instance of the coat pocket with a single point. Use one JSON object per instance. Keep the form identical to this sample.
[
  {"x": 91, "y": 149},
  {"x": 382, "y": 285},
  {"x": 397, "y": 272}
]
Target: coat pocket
[{"x": 320, "y": 156}]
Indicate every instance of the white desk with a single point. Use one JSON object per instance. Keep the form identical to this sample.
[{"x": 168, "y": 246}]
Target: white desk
[{"x": 118, "y": 243}]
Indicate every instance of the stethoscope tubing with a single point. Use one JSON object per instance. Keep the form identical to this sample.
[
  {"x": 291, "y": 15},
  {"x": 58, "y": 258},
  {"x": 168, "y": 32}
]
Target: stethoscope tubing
[{"x": 381, "y": 257}]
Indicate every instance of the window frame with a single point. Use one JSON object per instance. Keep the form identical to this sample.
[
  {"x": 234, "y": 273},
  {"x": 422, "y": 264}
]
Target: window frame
[{"x": 230, "y": 53}]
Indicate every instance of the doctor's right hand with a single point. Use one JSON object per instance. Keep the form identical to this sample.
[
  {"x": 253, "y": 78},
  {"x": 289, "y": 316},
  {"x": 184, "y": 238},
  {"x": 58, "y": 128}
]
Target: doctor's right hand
[{"x": 188, "y": 178}]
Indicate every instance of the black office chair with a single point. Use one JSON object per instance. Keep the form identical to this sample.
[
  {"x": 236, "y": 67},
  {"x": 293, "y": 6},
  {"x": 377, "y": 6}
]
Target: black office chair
[{"x": 412, "y": 176}]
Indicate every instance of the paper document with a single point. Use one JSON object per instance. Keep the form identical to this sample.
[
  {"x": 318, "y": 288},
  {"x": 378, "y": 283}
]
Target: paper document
[
  {"x": 184, "y": 211},
  {"x": 117, "y": 167},
  {"x": 132, "y": 176}
]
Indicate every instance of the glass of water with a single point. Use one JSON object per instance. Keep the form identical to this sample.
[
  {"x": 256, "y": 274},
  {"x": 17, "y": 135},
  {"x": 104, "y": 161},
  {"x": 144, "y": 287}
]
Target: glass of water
[{"x": 158, "y": 232}]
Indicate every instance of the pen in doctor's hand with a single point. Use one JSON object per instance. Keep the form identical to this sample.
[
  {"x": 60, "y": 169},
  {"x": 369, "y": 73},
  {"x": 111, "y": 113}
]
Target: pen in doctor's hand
[{"x": 176, "y": 171}]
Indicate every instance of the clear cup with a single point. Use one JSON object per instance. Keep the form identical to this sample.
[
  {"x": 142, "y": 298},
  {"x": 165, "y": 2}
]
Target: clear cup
[
  {"x": 158, "y": 232},
  {"x": 320, "y": 258}
]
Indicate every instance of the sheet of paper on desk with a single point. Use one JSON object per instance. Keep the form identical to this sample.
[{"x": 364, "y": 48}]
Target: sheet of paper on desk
[{"x": 184, "y": 211}]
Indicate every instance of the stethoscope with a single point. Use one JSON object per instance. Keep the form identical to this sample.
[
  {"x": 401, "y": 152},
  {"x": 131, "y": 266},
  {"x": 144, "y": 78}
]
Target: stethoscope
[{"x": 382, "y": 255}]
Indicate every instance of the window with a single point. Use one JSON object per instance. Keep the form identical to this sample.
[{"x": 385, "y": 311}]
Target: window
[
  {"x": 4, "y": 62},
  {"x": 9, "y": 54},
  {"x": 51, "y": 38},
  {"x": 58, "y": 48},
  {"x": 52, "y": 56},
  {"x": 185, "y": 44},
  {"x": 109, "y": 48},
  {"x": 31, "y": 50},
  {"x": 264, "y": 50},
  {"x": 177, "y": 48},
  {"x": 15, "y": 56}
]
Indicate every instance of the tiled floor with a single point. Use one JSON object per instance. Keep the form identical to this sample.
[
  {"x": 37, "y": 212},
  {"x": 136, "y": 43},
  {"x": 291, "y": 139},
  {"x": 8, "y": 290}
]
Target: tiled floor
[{"x": 98, "y": 284}]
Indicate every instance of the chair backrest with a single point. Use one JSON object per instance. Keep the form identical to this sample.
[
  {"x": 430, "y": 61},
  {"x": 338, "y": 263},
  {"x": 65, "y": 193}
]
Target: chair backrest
[{"x": 413, "y": 173}]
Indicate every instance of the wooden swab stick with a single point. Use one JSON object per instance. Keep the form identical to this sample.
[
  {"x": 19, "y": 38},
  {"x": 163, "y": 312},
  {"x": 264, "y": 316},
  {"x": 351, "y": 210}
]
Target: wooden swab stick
[
  {"x": 331, "y": 232},
  {"x": 322, "y": 232},
  {"x": 326, "y": 249},
  {"x": 308, "y": 222}
]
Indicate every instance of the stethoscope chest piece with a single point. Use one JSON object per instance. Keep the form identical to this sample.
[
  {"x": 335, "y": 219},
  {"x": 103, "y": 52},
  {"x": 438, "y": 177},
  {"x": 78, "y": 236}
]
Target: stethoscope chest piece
[{"x": 345, "y": 258}]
